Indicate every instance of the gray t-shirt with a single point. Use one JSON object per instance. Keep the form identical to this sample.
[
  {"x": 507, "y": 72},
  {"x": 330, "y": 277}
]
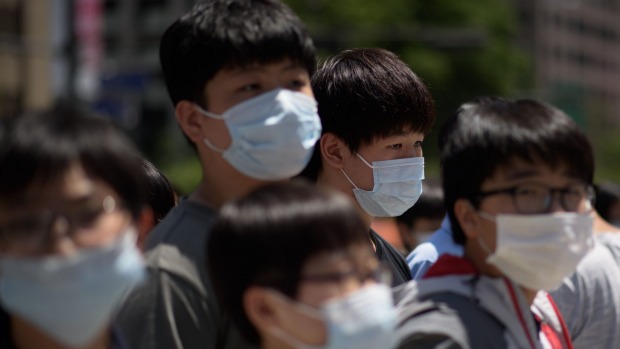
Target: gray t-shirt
[
  {"x": 176, "y": 308},
  {"x": 590, "y": 299}
]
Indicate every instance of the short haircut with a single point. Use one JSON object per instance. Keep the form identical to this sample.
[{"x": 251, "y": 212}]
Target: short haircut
[
  {"x": 39, "y": 148},
  {"x": 266, "y": 238},
  {"x": 490, "y": 132},
  {"x": 220, "y": 34},
  {"x": 430, "y": 204},
  {"x": 161, "y": 195},
  {"x": 368, "y": 93}
]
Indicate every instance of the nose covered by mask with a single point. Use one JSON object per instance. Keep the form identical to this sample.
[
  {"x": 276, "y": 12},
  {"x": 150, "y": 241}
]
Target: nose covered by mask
[
  {"x": 397, "y": 186},
  {"x": 364, "y": 319},
  {"x": 273, "y": 134},
  {"x": 539, "y": 251},
  {"x": 72, "y": 299}
]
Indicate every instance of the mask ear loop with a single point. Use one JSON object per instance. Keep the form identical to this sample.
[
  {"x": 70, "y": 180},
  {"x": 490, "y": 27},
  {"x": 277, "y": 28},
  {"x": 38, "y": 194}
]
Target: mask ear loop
[
  {"x": 301, "y": 307},
  {"x": 213, "y": 116},
  {"x": 349, "y": 179},
  {"x": 364, "y": 160}
]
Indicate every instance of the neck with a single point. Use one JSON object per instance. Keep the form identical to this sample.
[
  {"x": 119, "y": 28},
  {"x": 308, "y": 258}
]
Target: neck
[
  {"x": 528, "y": 294},
  {"x": 477, "y": 256},
  {"x": 27, "y": 336},
  {"x": 334, "y": 179},
  {"x": 220, "y": 189},
  {"x": 601, "y": 226}
]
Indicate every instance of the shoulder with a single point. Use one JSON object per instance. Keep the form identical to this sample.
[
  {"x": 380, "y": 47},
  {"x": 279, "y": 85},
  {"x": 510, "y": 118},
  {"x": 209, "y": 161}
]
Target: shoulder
[
  {"x": 446, "y": 317},
  {"x": 183, "y": 225},
  {"x": 387, "y": 254},
  {"x": 425, "y": 323},
  {"x": 423, "y": 252}
]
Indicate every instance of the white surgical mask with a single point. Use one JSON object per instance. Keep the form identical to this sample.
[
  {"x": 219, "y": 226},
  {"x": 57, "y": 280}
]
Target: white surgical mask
[
  {"x": 273, "y": 134},
  {"x": 397, "y": 186},
  {"x": 72, "y": 299},
  {"x": 364, "y": 319},
  {"x": 539, "y": 251}
]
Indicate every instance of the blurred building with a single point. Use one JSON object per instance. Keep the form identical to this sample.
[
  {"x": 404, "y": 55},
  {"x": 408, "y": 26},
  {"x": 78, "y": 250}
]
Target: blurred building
[
  {"x": 103, "y": 52},
  {"x": 575, "y": 45},
  {"x": 25, "y": 55},
  {"x": 106, "y": 53}
]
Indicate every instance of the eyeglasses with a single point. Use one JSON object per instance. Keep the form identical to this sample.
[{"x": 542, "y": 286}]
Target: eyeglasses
[
  {"x": 32, "y": 231},
  {"x": 381, "y": 274},
  {"x": 534, "y": 198}
]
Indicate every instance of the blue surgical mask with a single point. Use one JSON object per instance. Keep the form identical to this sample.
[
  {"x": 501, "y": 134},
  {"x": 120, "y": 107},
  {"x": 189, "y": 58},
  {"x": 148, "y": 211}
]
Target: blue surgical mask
[
  {"x": 364, "y": 319},
  {"x": 398, "y": 185},
  {"x": 273, "y": 134},
  {"x": 72, "y": 299}
]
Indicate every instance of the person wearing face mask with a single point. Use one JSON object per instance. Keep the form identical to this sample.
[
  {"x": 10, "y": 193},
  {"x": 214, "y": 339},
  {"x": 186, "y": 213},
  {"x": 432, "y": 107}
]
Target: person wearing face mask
[
  {"x": 590, "y": 298},
  {"x": 517, "y": 179},
  {"x": 375, "y": 114},
  {"x": 72, "y": 203},
  {"x": 242, "y": 98},
  {"x": 293, "y": 267}
]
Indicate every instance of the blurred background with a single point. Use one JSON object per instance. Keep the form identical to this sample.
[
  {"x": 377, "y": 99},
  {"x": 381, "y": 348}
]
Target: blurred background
[{"x": 104, "y": 54}]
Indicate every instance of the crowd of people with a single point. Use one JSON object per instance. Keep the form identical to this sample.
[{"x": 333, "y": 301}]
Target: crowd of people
[{"x": 515, "y": 246}]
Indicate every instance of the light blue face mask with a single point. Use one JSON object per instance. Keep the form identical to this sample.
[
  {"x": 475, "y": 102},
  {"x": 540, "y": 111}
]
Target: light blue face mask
[
  {"x": 398, "y": 185},
  {"x": 273, "y": 134},
  {"x": 364, "y": 319},
  {"x": 71, "y": 298}
]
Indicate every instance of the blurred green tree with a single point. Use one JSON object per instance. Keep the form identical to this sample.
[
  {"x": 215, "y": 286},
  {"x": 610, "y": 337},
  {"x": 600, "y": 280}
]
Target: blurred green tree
[{"x": 462, "y": 49}]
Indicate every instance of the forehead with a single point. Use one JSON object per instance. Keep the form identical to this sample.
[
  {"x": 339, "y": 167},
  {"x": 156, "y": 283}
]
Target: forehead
[
  {"x": 520, "y": 170},
  {"x": 286, "y": 64},
  {"x": 404, "y": 135},
  {"x": 72, "y": 185},
  {"x": 338, "y": 260}
]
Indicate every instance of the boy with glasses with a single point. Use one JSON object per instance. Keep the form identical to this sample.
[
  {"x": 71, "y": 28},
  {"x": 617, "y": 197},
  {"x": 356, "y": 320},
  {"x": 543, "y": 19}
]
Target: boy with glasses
[
  {"x": 305, "y": 275},
  {"x": 517, "y": 178},
  {"x": 71, "y": 206}
]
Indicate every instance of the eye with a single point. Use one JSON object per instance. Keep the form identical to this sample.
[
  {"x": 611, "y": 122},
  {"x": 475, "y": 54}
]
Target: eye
[
  {"x": 86, "y": 218},
  {"x": 395, "y": 146},
  {"x": 297, "y": 84},
  {"x": 418, "y": 144},
  {"x": 531, "y": 191},
  {"x": 250, "y": 87}
]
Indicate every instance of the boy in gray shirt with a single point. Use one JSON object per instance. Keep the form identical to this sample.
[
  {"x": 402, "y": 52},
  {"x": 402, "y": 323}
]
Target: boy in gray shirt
[{"x": 238, "y": 73}]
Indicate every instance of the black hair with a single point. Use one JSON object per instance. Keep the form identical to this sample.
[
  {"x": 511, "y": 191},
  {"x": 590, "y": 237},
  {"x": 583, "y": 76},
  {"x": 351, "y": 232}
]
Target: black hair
[
  {"x": 368, "y": 93},
  {"x": 429, "y": 205},
  {"x": 490, "y": 132},
  {"x": 266, "y": 238},
  {"x": 39, "y": 148},
  {"x": 607, "y": 195},
  {"x": 161, "y": 195},
  {"x": 219, "y": 34}
]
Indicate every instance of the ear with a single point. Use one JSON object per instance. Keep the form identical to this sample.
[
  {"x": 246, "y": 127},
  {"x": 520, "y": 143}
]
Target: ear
[
  {"x": 467, "y": 217},
  {"x": 332, "y": 150},
  {"x": 261, "y": 308},
  {"x": 144, "y": 224},
  {"x": 190, "y": 120}
]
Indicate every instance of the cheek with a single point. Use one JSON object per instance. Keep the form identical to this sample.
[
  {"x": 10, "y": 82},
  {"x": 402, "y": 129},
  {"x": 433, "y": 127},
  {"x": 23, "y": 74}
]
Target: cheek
[
  {"x": 307, "y": 90},
  {"x": 108, "y": 230},
  {"x": 308, "y": 329},
  {"x": 218, "y": 134}
]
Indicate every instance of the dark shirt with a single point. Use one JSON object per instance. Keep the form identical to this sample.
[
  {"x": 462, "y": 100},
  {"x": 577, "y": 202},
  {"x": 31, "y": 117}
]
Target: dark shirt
[
  {"x": 7, "y": 341},
  {"x": 388, "y": 255}
]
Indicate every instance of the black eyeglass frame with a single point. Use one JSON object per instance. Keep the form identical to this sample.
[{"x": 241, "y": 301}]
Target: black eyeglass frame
[{"x": 475, "y": 199}]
